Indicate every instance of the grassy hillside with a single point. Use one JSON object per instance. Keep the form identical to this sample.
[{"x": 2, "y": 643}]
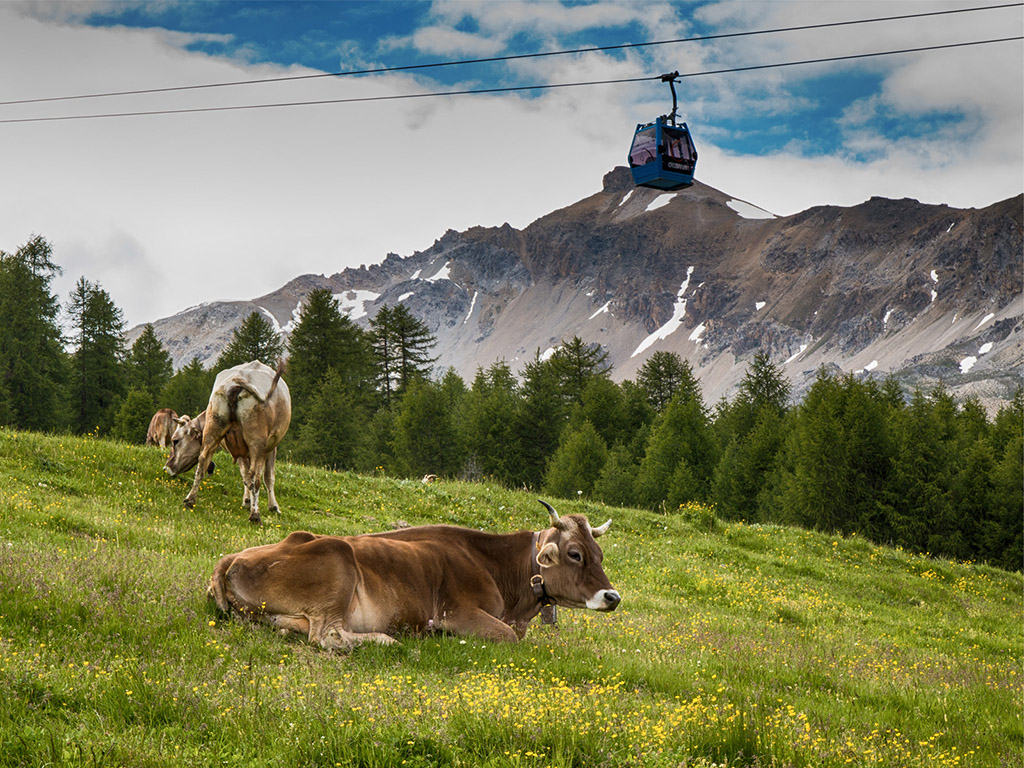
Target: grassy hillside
[{"x": 734, "y": 645}]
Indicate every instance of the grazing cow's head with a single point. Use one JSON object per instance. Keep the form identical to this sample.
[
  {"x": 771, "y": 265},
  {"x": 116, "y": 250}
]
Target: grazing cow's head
[
  {"x": 570, "y": 562},
  {"x": 186, "y": 443}
]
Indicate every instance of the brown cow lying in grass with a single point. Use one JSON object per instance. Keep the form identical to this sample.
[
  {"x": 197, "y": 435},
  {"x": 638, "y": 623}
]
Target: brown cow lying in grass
[{"x": 343, "y": 590}]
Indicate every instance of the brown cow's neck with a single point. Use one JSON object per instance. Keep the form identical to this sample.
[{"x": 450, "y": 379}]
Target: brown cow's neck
[
  {"x": 536, "y": 579},
  {"x": 514, "y": 577}
]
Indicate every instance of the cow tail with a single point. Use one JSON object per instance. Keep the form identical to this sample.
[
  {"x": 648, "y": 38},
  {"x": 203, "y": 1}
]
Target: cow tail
[
  {"x": 218, "y": 587},
  {"x": 282, "y": 365},
  {"x": 233, "y": 394}
]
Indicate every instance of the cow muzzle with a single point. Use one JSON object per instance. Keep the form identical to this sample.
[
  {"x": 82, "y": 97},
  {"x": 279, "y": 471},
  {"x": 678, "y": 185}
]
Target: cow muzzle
[{"x": 605, "y": 600}]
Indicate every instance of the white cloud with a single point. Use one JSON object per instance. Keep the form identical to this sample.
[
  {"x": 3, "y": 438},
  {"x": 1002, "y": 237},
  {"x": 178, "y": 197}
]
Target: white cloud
[
  {"x": 445, "y": 41},
  {"x": 546, "y": 18},
  {"x": 167, "y": 212}
]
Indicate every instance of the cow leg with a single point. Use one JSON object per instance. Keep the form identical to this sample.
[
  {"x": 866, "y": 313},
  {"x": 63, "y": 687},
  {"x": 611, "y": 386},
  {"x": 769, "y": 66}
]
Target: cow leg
[
  {"x": 243, "y": 470},
  {"x": 256, "y": 464},
  {"x": 268, "y": 480},
  {"x": 201, "y": 465},
  {"x": 474, "y": 621},
  {"x": 296, "y": 624},
  {"x": 334, "y": 636}
]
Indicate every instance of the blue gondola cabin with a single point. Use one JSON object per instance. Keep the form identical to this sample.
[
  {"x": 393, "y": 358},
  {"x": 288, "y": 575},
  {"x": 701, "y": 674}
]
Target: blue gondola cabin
[{"x": 662, "y": 156}]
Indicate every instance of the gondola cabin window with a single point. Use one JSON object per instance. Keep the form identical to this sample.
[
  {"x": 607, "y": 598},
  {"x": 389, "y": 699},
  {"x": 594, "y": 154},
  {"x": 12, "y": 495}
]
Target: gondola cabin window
[{"x": 645, "y": 147}]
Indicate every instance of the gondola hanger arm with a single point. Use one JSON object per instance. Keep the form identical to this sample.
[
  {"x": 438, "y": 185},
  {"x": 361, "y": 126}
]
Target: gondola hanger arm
[{"x": 670, "y": 78}]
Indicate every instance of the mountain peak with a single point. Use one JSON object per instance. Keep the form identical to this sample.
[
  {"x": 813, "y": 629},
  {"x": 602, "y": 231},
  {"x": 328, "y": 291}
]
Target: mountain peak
[{"x": 884, "y": 287}]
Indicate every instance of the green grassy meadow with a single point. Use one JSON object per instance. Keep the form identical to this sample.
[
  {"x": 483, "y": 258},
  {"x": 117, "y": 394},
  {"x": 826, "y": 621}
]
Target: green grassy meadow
[{"x": 734, "y": 645}]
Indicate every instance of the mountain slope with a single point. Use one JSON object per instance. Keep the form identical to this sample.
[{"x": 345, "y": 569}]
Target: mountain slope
[{"x": 926, "y": 292}]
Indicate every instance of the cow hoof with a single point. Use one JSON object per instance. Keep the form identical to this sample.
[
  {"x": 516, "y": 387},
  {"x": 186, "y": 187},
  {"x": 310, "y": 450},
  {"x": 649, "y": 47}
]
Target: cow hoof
[
  {"x": 276, "y": 510},
  {"x": 255, "y": 519},
  {"x": 189, "y": 503}
]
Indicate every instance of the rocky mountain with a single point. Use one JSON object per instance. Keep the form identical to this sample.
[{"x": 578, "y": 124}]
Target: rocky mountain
[{"x": 926, "y": 292}]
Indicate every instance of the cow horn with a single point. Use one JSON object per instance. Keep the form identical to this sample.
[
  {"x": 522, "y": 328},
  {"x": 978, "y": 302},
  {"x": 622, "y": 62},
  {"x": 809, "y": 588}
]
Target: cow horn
[
  {"x": 601, "y": 530},
  {"x": 555, "y": 520}
]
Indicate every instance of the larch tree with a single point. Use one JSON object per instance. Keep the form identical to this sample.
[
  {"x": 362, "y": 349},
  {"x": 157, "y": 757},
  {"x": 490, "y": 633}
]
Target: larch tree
[
  {"x": 33, "y": 365},
  {"x": 255, "y": 339},
  {"x": 97, "y": 363},
  {"x": 148, "y": 364}
]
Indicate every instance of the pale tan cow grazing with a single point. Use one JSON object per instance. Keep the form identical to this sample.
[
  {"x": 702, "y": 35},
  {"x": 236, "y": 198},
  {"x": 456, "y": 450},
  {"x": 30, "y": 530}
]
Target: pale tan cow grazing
[
  {"x": 161, "y": 427},
  {"x": 187, "y": 441},
  {"x": 340, "y": 591},
  {"x": 250, "y": 411}
]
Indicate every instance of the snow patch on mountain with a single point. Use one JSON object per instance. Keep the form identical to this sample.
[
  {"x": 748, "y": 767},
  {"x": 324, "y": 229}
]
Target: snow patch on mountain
[
  {"x": 676, "y": 320},
  {"x": 354, "y": 302},
  {"x": 748, "y": 211},
  {"x": 445, "y": 273},
  {"x": 659, "y": 202}
]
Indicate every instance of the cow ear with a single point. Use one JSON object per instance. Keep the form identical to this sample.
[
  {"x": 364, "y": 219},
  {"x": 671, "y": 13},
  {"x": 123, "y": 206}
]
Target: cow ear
[
  {"x": 548, "y": 555},
  {"x": 601, "y": 530}
]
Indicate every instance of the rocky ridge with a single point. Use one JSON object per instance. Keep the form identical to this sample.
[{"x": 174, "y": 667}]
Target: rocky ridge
[{"x": 925, "y": 292}]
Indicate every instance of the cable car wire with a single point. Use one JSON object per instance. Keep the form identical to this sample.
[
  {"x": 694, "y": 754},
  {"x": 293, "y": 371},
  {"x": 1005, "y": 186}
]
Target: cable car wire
[
  {"x": 515, "y": 57},
  {"x": 508, "y": 89}
]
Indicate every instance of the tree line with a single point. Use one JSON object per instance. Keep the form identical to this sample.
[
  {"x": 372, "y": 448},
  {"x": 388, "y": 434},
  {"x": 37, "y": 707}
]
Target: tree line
[{"x": 854, "y": 456}]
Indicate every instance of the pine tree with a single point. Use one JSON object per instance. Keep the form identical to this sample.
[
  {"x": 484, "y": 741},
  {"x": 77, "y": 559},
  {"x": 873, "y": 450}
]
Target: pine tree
[
  {"x": 918, "y": 500},
  {"x": 255, "y": 339},
  {"x": 616, "y": 484},
  {"x": 681, "y": 433},
  {"x": 603, "y": 404},
  {"x": 745, "y": 468},
  {"x": 812, "y": 477},
  {"x": 401, "y": 345},
  {"x": 836, "y": 460},
  {"x": 639, "y": 415},
  {"x": 333, "y": 430},
  {"x": 750, "y": 429},
  {"x": 132, "y": 419},
  {"x": 541, "y": 415},
  {"x": 763, "y": 387},
  {"x": 662, "y": 375},
  {"x": 488, "y": 422},
  {"x": 425, "y": 438},
  {"x": 188, "y": 390},
  {"x": 148, "y": 364},
  {"x": 577, "y": 463},
  {"x": 324, "y": 338},
  {"x": 380, "y": 440},
  {"x": 1002, "y": 533},
  {"x": 574, "y": 363},
  {"x": 33, "y": 365},
  {"x": 98, "y": 376}
]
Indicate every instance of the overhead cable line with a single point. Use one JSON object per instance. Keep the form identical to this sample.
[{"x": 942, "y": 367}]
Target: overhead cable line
[
  {"x": 508, "y": 89},
  {"x": 514, "y": 57}
]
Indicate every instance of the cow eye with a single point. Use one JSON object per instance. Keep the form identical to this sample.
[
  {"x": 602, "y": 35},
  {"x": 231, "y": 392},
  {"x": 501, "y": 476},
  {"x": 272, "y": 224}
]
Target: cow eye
[{"x": 575, "y": 555}]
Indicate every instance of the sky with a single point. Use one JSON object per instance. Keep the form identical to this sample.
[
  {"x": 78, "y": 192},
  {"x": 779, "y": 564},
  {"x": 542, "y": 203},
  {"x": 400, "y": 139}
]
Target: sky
[{"x": 166, "y": 211}]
